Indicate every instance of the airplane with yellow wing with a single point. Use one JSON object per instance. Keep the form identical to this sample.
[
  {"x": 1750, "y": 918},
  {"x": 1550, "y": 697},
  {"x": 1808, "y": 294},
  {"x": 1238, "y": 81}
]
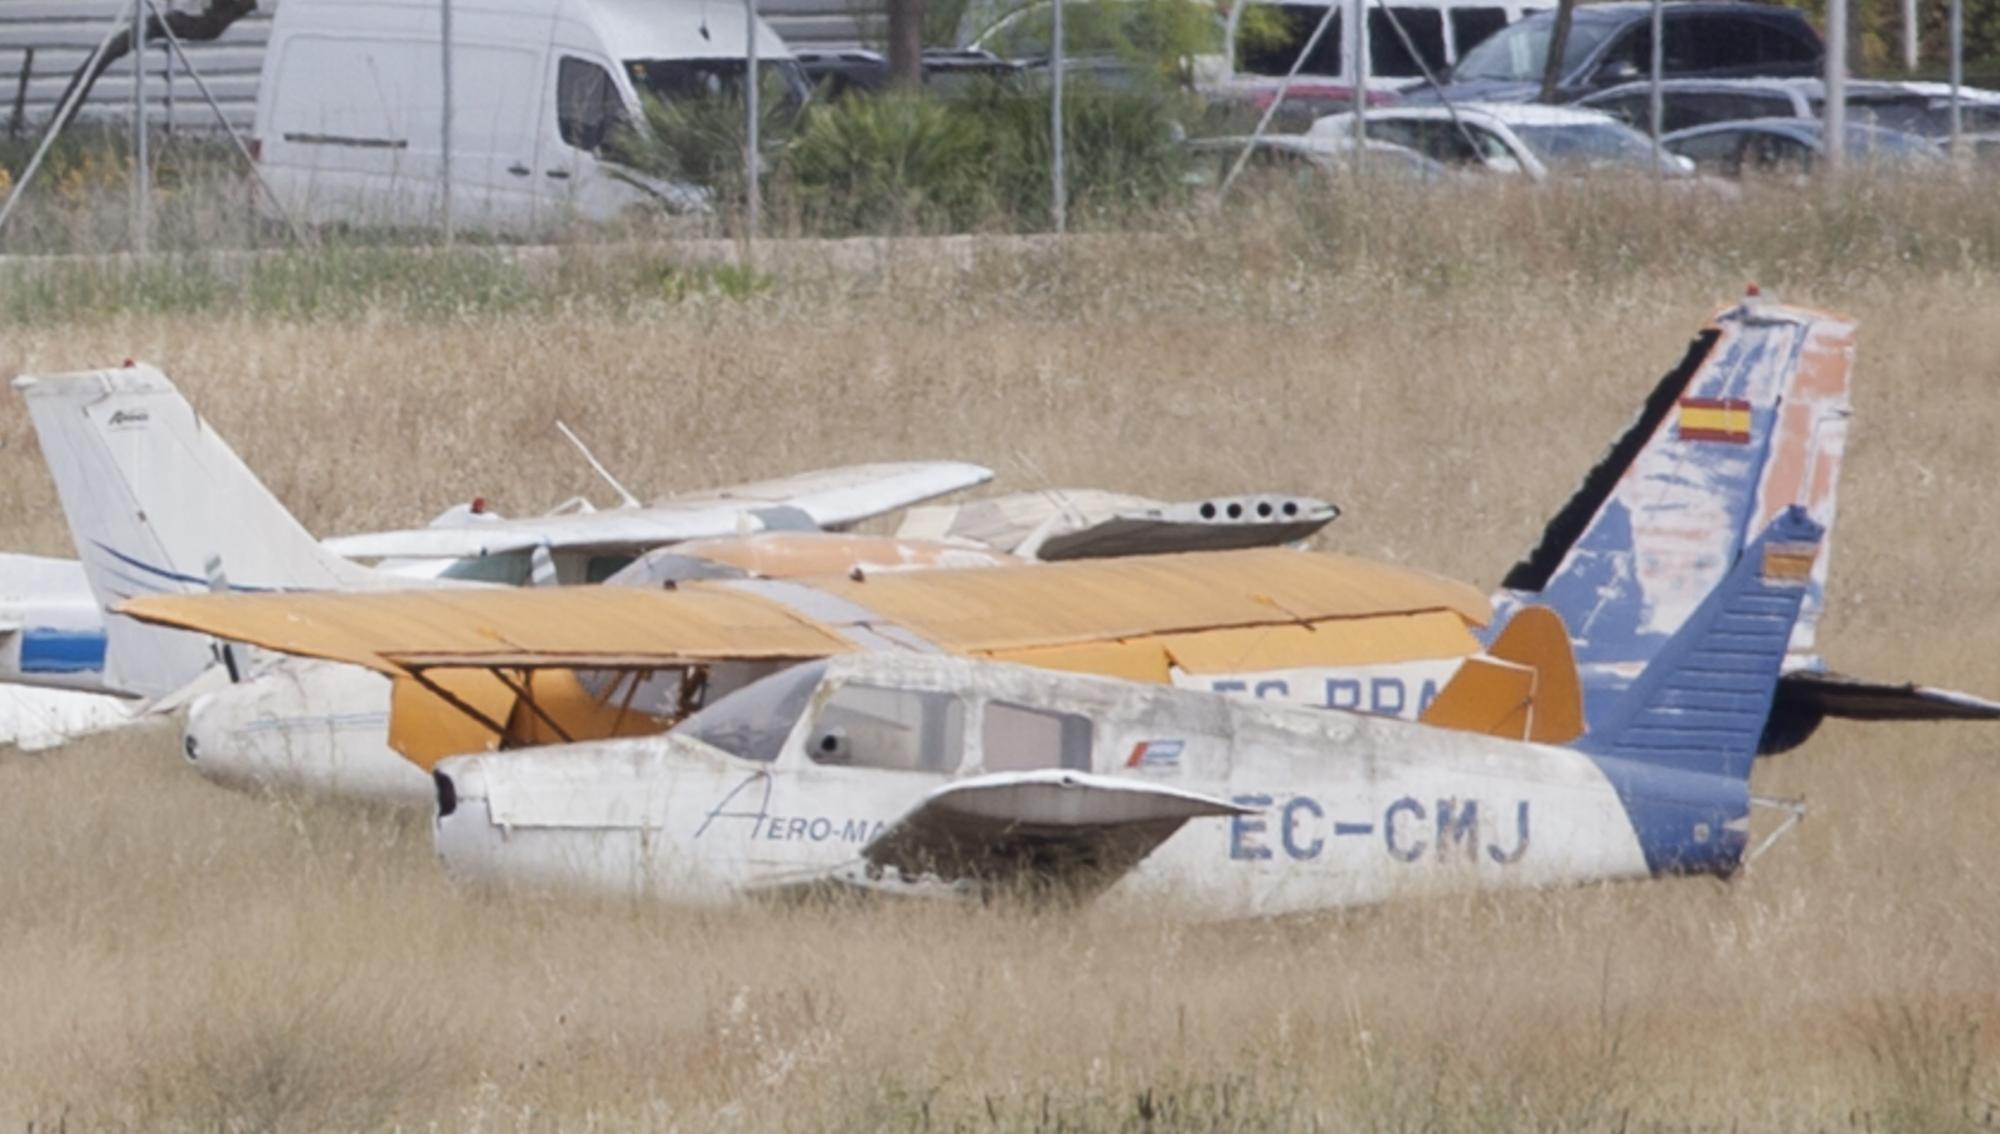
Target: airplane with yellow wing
[
  {"x": 914, "y": 772},
  {"x": 1751, "y": 423},
  {"x": 158, "y": 503}
]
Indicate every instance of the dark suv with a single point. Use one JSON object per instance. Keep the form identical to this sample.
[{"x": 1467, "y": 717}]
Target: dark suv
[{"x": 1612, "y": 43}]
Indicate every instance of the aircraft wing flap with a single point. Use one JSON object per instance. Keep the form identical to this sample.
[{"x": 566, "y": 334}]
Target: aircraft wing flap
[
  {"x": 1855, "y": 698},
  {"x": 1073, "y": 829}
]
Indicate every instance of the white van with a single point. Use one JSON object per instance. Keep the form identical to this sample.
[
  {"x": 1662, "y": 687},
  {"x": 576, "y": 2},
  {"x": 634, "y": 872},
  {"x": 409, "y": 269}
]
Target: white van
[
  {"x": 1404, "y": 38},
  {"x": 350, "y": 106}
]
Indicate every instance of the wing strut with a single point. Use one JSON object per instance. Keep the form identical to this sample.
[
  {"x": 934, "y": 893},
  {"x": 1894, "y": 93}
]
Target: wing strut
[{"x": 523, "y": 690}]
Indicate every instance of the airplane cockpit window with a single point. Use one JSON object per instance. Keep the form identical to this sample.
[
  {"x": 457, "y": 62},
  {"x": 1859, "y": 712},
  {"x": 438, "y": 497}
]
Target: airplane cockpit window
[
  {"x": 753, "y": 722},
  {"x": 508, "y": 568},
  {"x": 906, "y": 730},
  {"x": 1015, "y": 738}
]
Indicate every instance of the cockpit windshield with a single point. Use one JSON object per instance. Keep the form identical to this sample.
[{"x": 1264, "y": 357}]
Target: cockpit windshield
[{"x": 753, "y": 722}]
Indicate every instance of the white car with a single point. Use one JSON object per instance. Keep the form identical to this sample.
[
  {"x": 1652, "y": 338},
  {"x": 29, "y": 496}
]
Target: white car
[{"x": 1524, "y": 139}]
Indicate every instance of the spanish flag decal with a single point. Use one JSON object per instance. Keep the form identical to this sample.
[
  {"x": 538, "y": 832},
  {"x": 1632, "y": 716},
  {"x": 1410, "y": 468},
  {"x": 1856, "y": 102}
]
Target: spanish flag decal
[
  {"x": 1789, "y": 562},
  {"x": 1714, "y": 419}
]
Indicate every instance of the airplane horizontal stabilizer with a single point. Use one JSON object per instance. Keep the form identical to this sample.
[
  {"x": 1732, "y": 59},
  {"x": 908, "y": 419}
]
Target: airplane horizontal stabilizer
[
  {"x": 1020, "y": 827},
  {"x": 1856, "y": 698}
]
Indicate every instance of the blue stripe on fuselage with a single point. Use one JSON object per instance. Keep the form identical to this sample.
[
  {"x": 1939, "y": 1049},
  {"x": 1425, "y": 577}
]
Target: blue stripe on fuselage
[
  {"x": 45, "y": 650},
  {"x": 163, "y": 573}
]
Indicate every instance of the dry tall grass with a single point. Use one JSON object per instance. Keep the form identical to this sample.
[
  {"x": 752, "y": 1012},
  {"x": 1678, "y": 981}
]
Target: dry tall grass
[{"x": 175, "y": 956}]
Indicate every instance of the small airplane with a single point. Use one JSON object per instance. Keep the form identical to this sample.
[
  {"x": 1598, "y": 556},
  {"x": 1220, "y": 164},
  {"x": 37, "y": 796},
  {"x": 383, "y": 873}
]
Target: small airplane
[
  {"x": 137, "y": 471},
  {"x": 1752, "y": 422},
  {"x": 925, "y": 775},
  {"x": 157, "y": 503}
]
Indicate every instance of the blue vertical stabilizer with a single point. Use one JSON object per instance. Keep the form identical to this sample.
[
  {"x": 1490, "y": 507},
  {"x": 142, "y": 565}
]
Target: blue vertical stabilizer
[{"x": 1679, "y": 741}]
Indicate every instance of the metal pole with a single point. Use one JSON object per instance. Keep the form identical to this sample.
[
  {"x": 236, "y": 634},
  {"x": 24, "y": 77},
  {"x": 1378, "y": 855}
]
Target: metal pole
[
  {"x": 444, "y": 154},
  {"x": 1909, "y": 35},
  {"x": 752, "y": 191},
  {"x": 1957, "y": 73},
  {"x": 1836, "y": 84},
  {"x": 236, "y": 139},
  {"x": 1058, "y": 183},
  {"x": 1358, "y": 77},
  {"x": 169, "y": 63},
  {"x": 20, "y": 114},
  {"x": 1656, "y": 101},
  {"x": 63, "y": 111},
  {"x": 142, "y": 189},
  {"x": 1229, "y": 28}
]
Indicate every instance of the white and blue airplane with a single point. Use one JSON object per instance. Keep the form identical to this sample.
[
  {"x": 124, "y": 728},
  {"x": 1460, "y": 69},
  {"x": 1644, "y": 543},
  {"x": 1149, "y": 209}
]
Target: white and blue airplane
[
  {"x": 159, "y": 503},
  {"x": 919, "y": 774}
]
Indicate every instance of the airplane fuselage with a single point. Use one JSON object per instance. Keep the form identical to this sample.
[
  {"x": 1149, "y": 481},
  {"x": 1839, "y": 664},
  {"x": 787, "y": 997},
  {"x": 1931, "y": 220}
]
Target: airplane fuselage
[{"x": 1340, "y": 808}]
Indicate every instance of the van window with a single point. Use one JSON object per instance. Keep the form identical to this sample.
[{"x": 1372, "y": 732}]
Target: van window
[
  {"x": 1015, "y": 738},
  {"x": 905, "y": 730},
  {"x": 782, "y": 83},
  {"x": 1698, "y": 43},
  {"x": 587, "y": 105},
  {"x": 1471, "y": 26},
  {"x": 1390, "y": 57},
  {"x": 1274, "y": 53}
]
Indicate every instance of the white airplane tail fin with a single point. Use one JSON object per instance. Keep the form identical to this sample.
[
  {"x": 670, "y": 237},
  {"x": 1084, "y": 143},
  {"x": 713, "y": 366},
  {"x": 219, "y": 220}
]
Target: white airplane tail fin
[{"x": 154, "y": 497}]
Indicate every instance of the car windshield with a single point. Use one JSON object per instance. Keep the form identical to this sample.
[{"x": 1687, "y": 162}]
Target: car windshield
[
  {"x": 1518, "y": 54},
  {"x": 672, "y": 80},
  {"x": 1580, "y": 146},
  {"x": 753, "y": 722}
]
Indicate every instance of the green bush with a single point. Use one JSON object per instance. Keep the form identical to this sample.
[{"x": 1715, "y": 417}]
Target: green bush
[
  {"x": 893, "y": 161},
  {"x": 916, "y": 162}
]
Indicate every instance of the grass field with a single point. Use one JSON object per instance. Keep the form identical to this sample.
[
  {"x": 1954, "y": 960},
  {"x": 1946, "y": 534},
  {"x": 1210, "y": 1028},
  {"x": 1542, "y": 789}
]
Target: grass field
[{"x": 174, "y": 956}]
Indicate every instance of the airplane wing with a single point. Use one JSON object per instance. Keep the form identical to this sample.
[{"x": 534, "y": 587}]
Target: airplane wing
[
  {"x": 827, "y": 498},
  {"x": 1140, "y": 618},
  {"x": 1086, "y": 523},
  {"x": 1206, "y": 613},
  {"x": 1073, "y": 829},
  {"x": 1855, "y": 698}
]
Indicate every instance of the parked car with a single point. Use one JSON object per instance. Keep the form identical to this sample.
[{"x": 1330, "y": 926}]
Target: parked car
[
  {"x": 1795, "y": 146},
  {"x": 1610, "y": 44},
  {"x": 1512, "y": 138},
  {"x": 350, "y": 105},
  {"x": 1916, "y": 108},
  {"x": 1308, "y": 155}
]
